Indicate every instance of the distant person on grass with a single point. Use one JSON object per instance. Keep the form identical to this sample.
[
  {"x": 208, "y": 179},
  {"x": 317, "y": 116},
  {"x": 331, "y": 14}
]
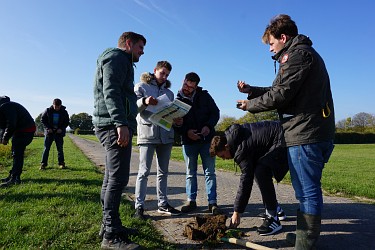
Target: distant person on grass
[
  {"x": 301, "y": 93},
  {"x": 196, "y": 133},
  {"x": 55, "y": 120},
  {"x": 152, "y": 138},
  {"x": 114, "y": 118},
  {"x": 259, "y": 149},
  {"x": 16, "y": 123}
]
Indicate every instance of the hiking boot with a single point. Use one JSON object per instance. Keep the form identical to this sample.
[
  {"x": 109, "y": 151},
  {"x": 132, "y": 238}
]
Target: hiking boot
[
  {"x": 269, "y": 226},
  {"x": 118, "y": 243},
  {"x": 214, "y": 209},
  {"x": 14, "y": 180},
  {"x": 62, "y": 166},
  {"x": 43, "y": 166},
  {"x": 139, "y": 213},
  {"x": 167, "y": 209},
  {"x": 190, "y": 206}
]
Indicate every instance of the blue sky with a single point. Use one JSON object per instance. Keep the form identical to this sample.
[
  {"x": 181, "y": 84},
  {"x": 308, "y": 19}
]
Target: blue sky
[{"x": 49, "y": 48}]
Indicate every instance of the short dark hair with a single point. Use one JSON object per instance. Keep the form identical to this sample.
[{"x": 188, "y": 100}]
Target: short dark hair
[
  {"x": 218, "y": 143},
  {"x": 192, "y": 77},
  {"x": 132, "y": 36},
  {"x": 57, "y": 102},
  {"x": 164, "y": 64},
  {"x": 280, "y": 24}
]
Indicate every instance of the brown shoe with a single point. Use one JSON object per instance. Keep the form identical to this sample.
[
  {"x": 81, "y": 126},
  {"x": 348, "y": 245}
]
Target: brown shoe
[
  {"x": 190, "y": 206},
  {"x": 42, "y": 166},
  {"x": 62, "y": 166},
  {"x": 214, "y": 209}
]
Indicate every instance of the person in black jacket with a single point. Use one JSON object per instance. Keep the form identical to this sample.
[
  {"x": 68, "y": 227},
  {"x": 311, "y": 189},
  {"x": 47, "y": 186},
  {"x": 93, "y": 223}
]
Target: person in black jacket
[
  {"x": 259, "y": 150},
  {"x": 55, "y": 120},
  {"x": 16, "y": 123},
  {"x": 196, "y": 132},
  {"x": 301, "y": 93}
]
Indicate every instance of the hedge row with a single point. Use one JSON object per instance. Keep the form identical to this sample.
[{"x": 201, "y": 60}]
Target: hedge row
[{"x": 354, "y": 138}]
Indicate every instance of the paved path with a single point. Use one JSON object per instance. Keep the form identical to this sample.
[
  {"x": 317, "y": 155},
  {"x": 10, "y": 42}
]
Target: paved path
[{"x": 346, "y": 224}]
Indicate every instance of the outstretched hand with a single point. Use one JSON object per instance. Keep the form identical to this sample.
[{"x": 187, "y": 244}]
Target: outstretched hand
[{"x": 243, "y": 87}]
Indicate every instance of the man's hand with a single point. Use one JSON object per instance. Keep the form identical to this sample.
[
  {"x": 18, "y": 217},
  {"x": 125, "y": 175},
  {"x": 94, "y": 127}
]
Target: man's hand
[
  {"x": 151, "y": 101},
  {"x": 123, "y": 136},
  {"x": 241, "y": 104},
  {"x": 49, "y": 131},
  {"x": 205, "y": 131},
  {"x": 4, "y": 142},
  {"x": 235, "y": 220},
  {"x": 193, "y": 135},
  {"x": 243, "y": 87},
  {"x": 59, "y": 131}
]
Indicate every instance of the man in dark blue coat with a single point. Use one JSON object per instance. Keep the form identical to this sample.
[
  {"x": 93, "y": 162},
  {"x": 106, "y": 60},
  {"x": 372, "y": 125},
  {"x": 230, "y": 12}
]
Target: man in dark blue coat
[
  {"x": 196, "y": 133},
  {"x": 55, "y": 120}
]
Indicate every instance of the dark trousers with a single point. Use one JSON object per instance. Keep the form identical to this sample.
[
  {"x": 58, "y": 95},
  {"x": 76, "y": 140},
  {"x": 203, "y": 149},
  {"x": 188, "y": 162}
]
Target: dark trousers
[
  {"x": 116, "y": 177},
  {"x": 273, "y": 165},
  {"x": 263, "y": 177},
  {"x": 19, "y": 143},
  {"x": 59, "y": 141}
]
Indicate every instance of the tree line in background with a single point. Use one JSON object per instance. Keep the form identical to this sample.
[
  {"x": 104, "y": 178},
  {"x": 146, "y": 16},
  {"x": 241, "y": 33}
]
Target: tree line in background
[{"x": 359, "y": 123}]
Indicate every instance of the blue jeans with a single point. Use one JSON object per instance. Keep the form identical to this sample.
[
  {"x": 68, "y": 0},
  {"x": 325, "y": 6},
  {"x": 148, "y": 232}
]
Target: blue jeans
[
  {"x": 19, "y": 143},
  {"x": 116, "y": 177},
  {"x": 59, "y": 141},
  {"x": 191, "y": 153},
  {"x": 146, "y": 155},
  {"x": 306, "y": 163}
]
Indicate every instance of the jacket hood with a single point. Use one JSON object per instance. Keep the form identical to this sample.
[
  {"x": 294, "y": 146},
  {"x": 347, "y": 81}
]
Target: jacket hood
[
  {"x": 299, "y": 39},
  {"x": 4, "y": 99},
  {"x": 235, "y": 135},
  {"x": 147, "y": 77}
]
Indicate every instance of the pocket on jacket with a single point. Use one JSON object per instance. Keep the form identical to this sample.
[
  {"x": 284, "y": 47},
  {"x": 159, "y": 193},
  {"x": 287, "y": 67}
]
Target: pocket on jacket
[{"x": 146, "y": 130}]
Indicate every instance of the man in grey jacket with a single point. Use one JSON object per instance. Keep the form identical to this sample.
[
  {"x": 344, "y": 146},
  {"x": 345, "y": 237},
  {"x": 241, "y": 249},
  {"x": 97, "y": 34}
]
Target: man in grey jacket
[
  {"x": 114, "y": 115},
  {"x": 152, "y": 138},
  {"x": 301, "y": 93}
]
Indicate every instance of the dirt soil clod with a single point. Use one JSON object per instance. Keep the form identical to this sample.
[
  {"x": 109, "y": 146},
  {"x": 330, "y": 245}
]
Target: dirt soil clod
[{"x": 206, "y": 227}]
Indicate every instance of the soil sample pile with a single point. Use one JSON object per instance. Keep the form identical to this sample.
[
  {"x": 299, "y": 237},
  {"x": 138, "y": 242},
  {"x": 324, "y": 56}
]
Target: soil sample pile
[{"x": 206, "y": 227}]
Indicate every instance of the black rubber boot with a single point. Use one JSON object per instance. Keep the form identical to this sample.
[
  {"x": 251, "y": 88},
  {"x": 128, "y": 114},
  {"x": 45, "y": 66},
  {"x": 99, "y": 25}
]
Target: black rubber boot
[{"x": 308, "y": 231}]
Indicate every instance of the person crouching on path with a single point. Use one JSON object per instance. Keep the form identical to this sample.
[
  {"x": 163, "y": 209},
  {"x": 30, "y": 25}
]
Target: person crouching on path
[{"x": 259, "y": 149}]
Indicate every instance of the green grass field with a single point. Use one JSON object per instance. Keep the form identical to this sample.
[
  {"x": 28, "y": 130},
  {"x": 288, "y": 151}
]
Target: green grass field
[{"x": 59, "y": 209}]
